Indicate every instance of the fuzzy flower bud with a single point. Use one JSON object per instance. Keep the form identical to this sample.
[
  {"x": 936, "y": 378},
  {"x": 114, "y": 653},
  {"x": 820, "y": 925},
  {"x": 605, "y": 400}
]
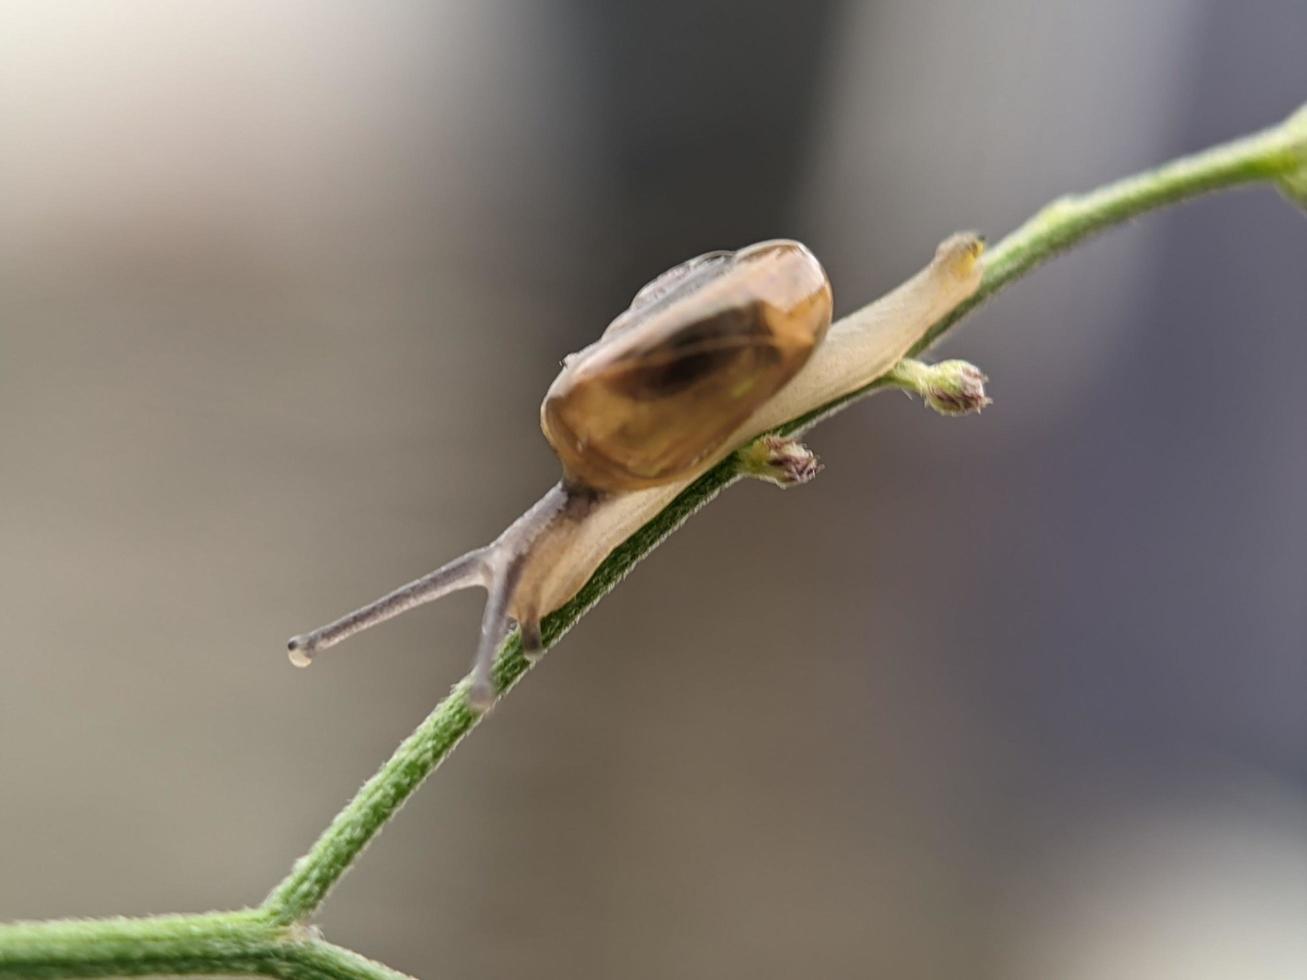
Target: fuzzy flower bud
[
  {"x": 776, "y": 459},
  {"x": 956, "y": 388},
  {"x": 949, "y": 387}
]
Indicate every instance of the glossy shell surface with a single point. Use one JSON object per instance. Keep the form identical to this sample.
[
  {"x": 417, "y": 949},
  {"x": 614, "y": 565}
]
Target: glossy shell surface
[{"x": 699, "y": 349}]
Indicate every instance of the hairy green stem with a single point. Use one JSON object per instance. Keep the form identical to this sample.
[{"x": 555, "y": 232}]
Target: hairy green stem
[
  {"x": 248, "y": 942},
  {"x": 1277, "y": 155},
  {"x": 271, "y": 940},
  {"x": 1265, "y": 156}
]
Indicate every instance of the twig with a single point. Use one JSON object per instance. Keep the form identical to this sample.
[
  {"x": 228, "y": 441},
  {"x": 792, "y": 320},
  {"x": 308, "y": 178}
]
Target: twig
[
  {"x": 272, "y": 940},
  {"x": 248, "y": 942}
]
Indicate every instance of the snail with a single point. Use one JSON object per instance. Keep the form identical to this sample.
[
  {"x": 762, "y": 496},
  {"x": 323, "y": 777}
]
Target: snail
[{"x": 709, "y": 355}]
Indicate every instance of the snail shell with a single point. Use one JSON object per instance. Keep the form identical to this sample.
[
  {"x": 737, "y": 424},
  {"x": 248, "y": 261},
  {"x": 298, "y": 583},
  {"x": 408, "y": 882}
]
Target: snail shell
[{"x": 674, "y": 376}]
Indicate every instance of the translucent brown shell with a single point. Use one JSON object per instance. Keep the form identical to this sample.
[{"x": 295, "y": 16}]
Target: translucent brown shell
[{"x": 699, "y": 349}]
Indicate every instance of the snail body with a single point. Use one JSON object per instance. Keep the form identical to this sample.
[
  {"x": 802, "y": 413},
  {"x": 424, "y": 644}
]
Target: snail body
[{"x": 709, "y": 355}]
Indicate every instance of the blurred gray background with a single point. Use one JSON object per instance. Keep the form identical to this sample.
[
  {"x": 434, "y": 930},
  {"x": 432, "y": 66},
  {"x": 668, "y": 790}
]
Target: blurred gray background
[{"x": 1016, "y": 696}]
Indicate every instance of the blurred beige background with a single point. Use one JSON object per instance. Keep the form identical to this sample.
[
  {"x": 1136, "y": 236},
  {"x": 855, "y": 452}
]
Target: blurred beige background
[{"x": 281, "y": 285}]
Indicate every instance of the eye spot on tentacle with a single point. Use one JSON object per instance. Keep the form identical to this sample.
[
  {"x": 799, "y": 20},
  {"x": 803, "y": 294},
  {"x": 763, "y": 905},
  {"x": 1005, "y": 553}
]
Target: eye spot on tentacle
[{"x": 300, "y": 650}]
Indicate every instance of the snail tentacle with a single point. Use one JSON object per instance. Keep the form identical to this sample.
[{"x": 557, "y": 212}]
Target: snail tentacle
[
  {"x": 504, "y": 577},
  {"x": 533, "y": 644},
  {"x": 513, "y": 569},
  {"x": 464, "y": 572}
]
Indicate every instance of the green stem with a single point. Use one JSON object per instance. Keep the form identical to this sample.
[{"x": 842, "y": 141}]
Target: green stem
[
  {"x": 270, "y": 941},
  {"x": 1277, "y": 155},
  {"x": 1265, "y": 156},
  {"x": 243, "y": 943}
]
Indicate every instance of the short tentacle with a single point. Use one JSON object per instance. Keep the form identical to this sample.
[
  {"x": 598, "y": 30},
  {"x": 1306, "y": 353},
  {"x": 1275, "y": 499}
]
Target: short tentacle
[
  {"x": 504, "y": 576},
  {"x": 461, "y": 573},
  {"x": 533, "y": 644}
]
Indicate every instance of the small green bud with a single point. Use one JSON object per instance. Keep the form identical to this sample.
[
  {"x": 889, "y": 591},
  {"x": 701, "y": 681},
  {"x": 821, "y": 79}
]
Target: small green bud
[
  {"x": 955, "y": 388},
  {"x": 776, "y": 459},
  {"x": 950, "y": 387}
]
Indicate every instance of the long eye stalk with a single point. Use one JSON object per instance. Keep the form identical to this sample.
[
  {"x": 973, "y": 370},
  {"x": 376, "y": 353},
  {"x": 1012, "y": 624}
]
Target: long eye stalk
[{"x": 461, "y": 573}]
